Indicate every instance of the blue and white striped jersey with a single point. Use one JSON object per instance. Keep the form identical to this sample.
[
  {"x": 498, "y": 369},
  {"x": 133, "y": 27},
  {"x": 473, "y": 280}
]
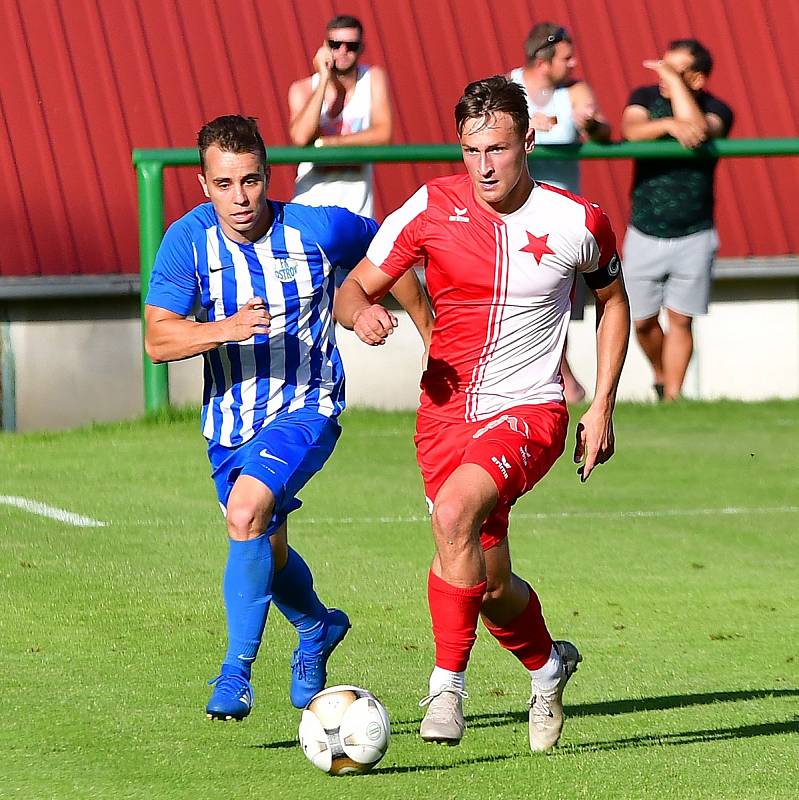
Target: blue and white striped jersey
[{"x": 247, "y": 384}]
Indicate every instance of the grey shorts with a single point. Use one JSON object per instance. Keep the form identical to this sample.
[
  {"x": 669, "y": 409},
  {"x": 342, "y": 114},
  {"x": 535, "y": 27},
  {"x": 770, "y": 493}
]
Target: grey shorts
[{"x": 670, "y": 273}]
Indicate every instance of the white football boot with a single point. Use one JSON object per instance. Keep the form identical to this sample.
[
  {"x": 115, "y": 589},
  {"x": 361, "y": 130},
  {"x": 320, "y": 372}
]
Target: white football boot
[
  {"x": 443, "y": 723},
  {"x": 546, "y": 707}
]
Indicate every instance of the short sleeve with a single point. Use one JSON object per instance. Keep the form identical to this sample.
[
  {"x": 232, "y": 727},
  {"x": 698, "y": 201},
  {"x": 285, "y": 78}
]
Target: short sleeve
[
  {"x": 173, "y": 283},
  {"x": 348, "y": 236},
  {"x": 642, "y": 96},
  {"x": 600, "y": 262},
  {"x": 399, "y": 244},
  {"x": 713, "y": 105}
]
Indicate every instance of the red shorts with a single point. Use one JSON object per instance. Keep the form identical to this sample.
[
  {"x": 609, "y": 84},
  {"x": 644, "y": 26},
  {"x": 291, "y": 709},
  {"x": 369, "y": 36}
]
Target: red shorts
[{"x": 516, "y": 448}]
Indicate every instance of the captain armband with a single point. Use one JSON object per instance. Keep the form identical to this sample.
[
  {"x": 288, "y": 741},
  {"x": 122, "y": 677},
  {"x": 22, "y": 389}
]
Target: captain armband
[{"x": 604, "y": 276}]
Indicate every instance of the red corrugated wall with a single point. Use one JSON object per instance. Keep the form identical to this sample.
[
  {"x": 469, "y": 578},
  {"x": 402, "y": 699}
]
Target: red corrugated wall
[{"x": 82, "y": 82}]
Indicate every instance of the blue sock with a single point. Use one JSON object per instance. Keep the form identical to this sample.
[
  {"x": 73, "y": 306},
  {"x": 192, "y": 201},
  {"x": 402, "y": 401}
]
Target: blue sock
[
  {"x": 294, "y": 595},
  {"x": 247, "y": 591}
]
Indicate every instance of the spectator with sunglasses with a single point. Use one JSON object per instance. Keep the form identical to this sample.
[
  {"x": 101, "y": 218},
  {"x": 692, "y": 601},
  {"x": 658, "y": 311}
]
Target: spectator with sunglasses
[
  {"x": 342, "y": 103},
  {"x": 562, "y": 111}
]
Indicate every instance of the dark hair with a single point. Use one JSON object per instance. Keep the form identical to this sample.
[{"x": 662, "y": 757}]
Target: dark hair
[
  {"x": 490, "y": 96},
  {"x": 345, "y": 21},
  {"x": 702, "y": 60},
  {"x": 233, "y": 134},
  {"x": 543, "y": 39}
]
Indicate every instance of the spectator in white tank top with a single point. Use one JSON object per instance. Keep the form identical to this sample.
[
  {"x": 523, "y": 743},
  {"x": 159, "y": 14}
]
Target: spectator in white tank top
[
  {"x": 343, "y": 103},
  {"x": 562, "y": 111}
]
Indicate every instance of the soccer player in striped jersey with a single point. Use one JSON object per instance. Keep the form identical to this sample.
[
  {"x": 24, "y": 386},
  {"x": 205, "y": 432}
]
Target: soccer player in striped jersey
[
  {"x": 259, "y": 276},
  {"x": 501, "y": 255}
]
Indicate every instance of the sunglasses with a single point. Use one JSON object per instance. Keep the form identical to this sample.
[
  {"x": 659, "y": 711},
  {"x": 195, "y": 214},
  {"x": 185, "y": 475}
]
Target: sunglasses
[
  {"x": 351, "y": 47},
  {"x": 560, "y": 35}
]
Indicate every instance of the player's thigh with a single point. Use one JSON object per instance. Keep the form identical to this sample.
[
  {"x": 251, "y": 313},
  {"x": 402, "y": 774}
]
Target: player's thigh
[
  {"x": 439, "y": 449},
  {"x": 517, "y": 448},
  {"x": 294, "y": 450},
  {"x": 284, "y": 455},
  {"x": 645, "y": 270},
  {"x": 687, "y": 290}
]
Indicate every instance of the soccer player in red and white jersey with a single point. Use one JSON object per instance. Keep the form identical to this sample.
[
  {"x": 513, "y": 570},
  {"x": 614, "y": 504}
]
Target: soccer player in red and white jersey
[{"x": 501, "y": 254}]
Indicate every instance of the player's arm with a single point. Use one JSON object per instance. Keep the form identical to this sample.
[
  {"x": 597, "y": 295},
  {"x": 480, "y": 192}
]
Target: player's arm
[
  {"x": 305, "y": 102},
  {"x": 169, "y": 336},
  {"x": 595, "y": 438},
  {"x": 588, "y": 117},
  {"x": 357, "y": 305},
  {"x": 408, "y": 292},
  {"x": 381, "y": 123}
]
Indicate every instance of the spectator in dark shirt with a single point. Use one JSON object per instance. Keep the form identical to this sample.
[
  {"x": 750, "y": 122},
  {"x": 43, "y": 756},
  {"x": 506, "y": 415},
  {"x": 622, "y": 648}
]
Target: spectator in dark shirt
[{"x": 671, "y": 240}]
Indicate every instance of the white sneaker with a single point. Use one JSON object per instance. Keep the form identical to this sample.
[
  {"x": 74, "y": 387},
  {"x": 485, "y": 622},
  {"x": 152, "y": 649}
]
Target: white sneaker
[
  {"x": 443, "y": 723},
  {"x": 546, "y": 707}
]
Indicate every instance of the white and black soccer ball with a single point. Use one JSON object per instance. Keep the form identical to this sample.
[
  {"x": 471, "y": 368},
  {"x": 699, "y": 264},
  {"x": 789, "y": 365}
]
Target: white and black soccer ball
[{"x": 344, "y": 730}]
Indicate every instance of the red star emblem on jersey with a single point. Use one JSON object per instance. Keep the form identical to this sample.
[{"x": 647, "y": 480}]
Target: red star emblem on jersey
[{"x": 537, "y": 245}]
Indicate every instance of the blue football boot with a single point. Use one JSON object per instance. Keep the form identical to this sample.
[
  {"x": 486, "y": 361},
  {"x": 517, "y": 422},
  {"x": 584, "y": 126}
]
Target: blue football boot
[
  {"x": 232, "y": 697},
  {"x": 309, "y": 669}
]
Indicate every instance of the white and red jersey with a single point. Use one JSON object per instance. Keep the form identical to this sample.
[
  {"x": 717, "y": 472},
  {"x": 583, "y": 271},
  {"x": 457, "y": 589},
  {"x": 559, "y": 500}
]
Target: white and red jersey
[{"x": 500, "y": 287}]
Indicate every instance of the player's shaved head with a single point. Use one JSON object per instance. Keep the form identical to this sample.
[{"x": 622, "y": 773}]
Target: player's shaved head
[
  {"x": 232, "y": 134},
  {"x": 483, "y": 99}
]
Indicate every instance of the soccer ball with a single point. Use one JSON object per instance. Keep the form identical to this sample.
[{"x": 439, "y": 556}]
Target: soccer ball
[{"x": 344, "y": 730}]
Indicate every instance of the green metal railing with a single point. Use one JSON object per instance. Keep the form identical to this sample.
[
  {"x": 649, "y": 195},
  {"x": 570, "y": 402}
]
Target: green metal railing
[{"x": 150, "y": 177}]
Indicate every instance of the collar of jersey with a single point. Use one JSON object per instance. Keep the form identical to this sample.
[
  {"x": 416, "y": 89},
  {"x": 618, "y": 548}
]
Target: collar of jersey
[{"x": 495, "y": 216}]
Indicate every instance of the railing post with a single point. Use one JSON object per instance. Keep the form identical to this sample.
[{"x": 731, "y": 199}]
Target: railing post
[{"x": 150, "y": 178}]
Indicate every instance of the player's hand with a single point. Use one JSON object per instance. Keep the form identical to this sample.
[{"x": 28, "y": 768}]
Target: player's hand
[
  {"x": 595, "y": 440},
  {"x": 374, "y": 324},
  {"x": 323, "y": 62},
  {"x": 542, "y": 122},
  {"x": 252, "y": 318},
  {"x": 688, "y": 134}
]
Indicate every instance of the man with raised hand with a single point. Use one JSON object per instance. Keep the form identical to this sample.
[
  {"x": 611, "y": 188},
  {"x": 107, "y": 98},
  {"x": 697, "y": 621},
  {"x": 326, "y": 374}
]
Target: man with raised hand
[
  {"x": 261, "y": 273},
  {"x": 501, "y": 254},
  {"x": 344, "y": 103},
  {"x": 671, "y": 241}
]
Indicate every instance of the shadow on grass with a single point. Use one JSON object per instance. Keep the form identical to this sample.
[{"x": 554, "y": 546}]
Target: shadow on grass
[
  {"x": 284, "y": 745},
  {"x": 612, "y": 708},
  {"x": 608, "y": 708},
  {"x": 686, "y": 737},
  {"x": 466, "y": 762}
]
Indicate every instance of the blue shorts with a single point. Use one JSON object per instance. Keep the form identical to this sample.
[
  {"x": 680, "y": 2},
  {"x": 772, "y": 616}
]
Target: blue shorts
[{"x": 284, "y": 455}]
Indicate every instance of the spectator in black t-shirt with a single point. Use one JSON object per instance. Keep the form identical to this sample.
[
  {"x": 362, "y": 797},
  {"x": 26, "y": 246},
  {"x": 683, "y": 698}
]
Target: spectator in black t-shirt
[{"x": 671, "y": 241}]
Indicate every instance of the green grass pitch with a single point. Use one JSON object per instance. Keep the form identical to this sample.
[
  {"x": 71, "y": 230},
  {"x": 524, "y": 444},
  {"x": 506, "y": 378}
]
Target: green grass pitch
[{"x": 675, "y": 569}]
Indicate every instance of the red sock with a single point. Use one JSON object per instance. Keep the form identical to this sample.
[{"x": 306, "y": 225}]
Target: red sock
[
  {"x": 454, "y": 612},
  {"x": 526, "y": 636}
]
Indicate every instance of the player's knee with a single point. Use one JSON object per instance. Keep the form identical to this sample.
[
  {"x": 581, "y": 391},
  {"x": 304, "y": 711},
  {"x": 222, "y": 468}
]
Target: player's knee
[
  {"x": 451, "y": 519},
  {"x": 245, "y": 521}
]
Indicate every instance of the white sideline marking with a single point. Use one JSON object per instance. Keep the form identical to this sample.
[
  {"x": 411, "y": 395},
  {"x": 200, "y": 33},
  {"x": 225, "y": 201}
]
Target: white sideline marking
[
  {"x": 665, "y": 512},
  {"x": 58, "y": 514}
]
